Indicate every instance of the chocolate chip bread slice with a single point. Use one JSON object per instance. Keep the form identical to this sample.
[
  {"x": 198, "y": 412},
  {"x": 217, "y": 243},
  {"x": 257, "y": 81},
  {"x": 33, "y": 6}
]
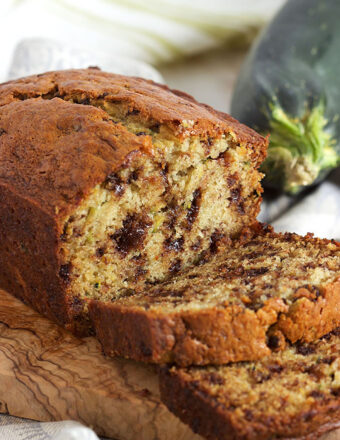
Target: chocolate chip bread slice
[
  {"x": 107, "y": 182},
  {"x": 240, "y": 305},
  {"x": 291, "y": 394}
]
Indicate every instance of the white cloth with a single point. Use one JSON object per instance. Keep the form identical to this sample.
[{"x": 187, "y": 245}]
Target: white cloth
[
  {"x": 149, "y": 30},
  {"x": 13, "y": 428},
  {"x": 318, "y": 211},
  {"x": 36, "y": 55}
]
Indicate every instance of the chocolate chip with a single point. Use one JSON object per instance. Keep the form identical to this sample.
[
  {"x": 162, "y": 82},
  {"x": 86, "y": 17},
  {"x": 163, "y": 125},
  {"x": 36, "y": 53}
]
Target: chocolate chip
[
  {"x": 260, "y": 376},
  {"x": 176, "y": 244},
  {"x": 210, "y": 141},
  {"x": 215, "y": 238},
  {"x": 131, "y": 236},
  {"x": 273, "y": 342},
  {"x": 253, "y": 255},
  {"x": 63, "y": 236},
  {"x": 275, "y": 368},
  {"x": 133, "y": 176},
  {"x": 214, "y": 378},
  {"x": 175, "y": 266},
  {"x": 317, "y": 394},
  {"x": 100, "y": 252},
  {"x": 65, "y": 271},
  {"x": 141, "y": 133},
  {"x": 328, "y": 360},
  {"x": 236, "y": 199},
  {"x": 307, "y": 416},
  {"x": 194, "y": 208},
  {"x": 114, "y": 183},
  {"x": 235, "y": 194},
  {"x": 164, "y": 175},
  {"x": 335, "y": 392},
  {"x": 305, "y": 349},
  {"x": 256, "y": 271},
  {"x": 231, "y": 180},
  {"x": 140, "y": 272},
  {"x": 172, "y": 216},
  {"x": 197, "y": 244}
]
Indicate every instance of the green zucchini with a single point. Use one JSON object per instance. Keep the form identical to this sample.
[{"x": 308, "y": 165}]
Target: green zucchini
[{"x": 289, "y": 86}]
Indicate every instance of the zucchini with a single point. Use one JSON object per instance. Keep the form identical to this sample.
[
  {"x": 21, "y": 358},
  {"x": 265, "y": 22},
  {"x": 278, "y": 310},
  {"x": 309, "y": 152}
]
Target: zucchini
[{"x": 289, "y": 86}]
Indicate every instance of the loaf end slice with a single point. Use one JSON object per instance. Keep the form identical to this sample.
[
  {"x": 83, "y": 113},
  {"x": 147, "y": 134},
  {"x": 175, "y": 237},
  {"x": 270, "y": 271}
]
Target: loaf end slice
[
  {"x": 291, "y": 394},
  {"x": 108, "y": 182},
  {"x": 241, "y": 304}
]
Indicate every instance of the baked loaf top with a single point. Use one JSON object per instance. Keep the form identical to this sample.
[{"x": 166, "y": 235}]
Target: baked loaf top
[
  {"x": 55, "y": 152},
  {"x": 291, "y": 394},
  {"x": 239, "y": 305},
  {"x": 151, "y": 101}
]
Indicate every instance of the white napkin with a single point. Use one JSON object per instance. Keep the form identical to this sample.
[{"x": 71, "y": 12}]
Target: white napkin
[
  {"x": 318, "y": 211},
  {"x": 13, "y": 428},
  {"x": 36, "y": 55},
  {"x": 148, "y": 30}
]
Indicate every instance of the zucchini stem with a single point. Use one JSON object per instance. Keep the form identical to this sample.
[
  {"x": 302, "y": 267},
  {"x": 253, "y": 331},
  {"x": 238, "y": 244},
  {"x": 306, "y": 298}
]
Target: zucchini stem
[{"x": 299, "y": 148}]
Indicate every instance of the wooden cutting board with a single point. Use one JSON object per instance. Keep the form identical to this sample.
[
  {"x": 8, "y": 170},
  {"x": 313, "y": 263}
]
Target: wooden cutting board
[{"x": 47, "y": 374}]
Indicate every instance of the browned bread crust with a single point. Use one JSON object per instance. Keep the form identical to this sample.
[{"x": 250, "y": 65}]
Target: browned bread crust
[
  {"x": 240, "y": 305},
  {"x": 155, "y": 102},
  {"x": 291, "y": 394},
  {"x": 56, "y": 145}
]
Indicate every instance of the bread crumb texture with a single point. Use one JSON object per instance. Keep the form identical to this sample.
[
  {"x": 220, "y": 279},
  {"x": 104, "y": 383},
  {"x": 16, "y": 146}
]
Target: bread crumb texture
[
  {"x": 247, "y": 300},
  {"x": 289, "y": 394}
]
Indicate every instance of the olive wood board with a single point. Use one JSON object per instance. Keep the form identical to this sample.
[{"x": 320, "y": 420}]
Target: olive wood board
[{"x": 47, "y": 374}]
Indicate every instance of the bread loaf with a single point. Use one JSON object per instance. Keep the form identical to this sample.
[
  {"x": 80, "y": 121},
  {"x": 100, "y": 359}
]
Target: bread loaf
[{"x": 110, "y": 182}]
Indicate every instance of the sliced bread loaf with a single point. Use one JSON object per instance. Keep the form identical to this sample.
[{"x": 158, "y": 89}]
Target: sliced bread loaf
[
  {"x": 107, "y": 182},
  {"x": 291, "y": 394},
  {"x": 241, "y": 304}
]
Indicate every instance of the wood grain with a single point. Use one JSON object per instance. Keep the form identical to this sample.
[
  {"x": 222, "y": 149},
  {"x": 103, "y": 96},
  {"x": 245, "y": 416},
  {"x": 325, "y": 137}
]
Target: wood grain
[{"x": 47, "y": 374}]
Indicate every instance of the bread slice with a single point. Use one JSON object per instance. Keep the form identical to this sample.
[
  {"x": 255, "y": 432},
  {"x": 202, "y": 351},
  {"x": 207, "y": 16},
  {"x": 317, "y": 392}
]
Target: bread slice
[
  {"x": 108, "y": 182},
  {"x": 291, "y": 394},
  {"x": 241, "y": 304}
]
